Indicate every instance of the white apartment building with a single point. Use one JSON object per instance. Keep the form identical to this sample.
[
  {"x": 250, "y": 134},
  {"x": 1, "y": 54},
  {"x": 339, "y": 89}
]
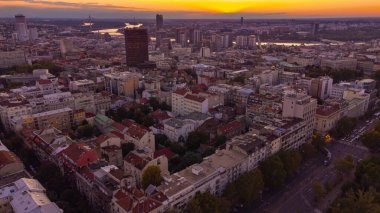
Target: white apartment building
[
  {"x": 11, "y": 110},
  {"x": 48, "y": 86},
  {"x": 12, "y": 58},
  {"x": 52, "y": 102},
  {"x": 178, "y": 130},
  {"x": 84, "y": 101},
  {"x": 211, "y": 175},
  {"x": 300, "y": 105},
  {"x": 224, "y": 90},
  {"x": 184, "y": 102},
  {"x": 82, "y": 86},
  {"x": 301, "y": 60},
  {"x": 102, "y": 102},
  {"x": 339, "y": 64},
  {"x": 358, "y": 102},
  {"x": 26, "y": 196}
]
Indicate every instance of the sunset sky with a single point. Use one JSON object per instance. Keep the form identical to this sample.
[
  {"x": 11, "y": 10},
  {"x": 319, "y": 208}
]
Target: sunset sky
[{"x": 192, "y": 8}]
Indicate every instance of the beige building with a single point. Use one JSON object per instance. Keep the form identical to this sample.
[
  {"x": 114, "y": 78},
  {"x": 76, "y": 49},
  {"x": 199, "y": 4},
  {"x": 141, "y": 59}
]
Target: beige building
[
  {"x": 300, "y": 105},
  {"x": 82, "y": 85},
  {"x": 122, "y": 83},
  {"x": 359, "y": 94},
  {"x": 84, "y": 101},
  {"x": 327, "y": 117},
  {"x": 102, "y": 102},
  {"x": 61, "y": 119}
]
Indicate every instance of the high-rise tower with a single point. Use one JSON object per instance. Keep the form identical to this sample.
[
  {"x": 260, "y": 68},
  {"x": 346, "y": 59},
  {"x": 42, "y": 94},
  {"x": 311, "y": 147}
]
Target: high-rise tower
[
  {"x": 159, "y": 21},
  {"x": 21, "y": 27},
  {"x": 136, "y": 45}
]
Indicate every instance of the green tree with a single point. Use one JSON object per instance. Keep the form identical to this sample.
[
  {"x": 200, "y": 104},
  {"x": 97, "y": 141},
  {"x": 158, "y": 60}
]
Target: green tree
[
  {"x": 195, "y": 139},
  {"x": 308, "y": 150},
  {"x": 250, "y": 186},
  {"x": 231, "y": 192},
  {"x": 161, "y": 140},
  {"x": 368, "y": 173},
  {"x": 318, "y": 142},
  {"x": 14, "y": 143},
  {"x": 319, "y": 191},
  {"x": 84, "y": 131},
  {"x": 220, "y": 140},
  {"x": 344, "y": 165},
  {"x": 206, "y": 203},
  {"x": 344, "y": 127},
  {"x": 291, "y": 160},
  {"x": 239, "y": 79},
  {"x": 121, "y": 113},
  {"x": 371, "y": 140},
  {"x": 147, "y": 121},
  {"x": 273, "y": 172},
  {"x": 151, "y": 176},
  {"x": 177, "y": 148},
  {"x": 165, "y": 106},
  {"x": 189, "y": 159},
  {"x": 359, "y": 201},
  {"x": 126, "y": 148},
  {"x": 154, "y": 103},
  {"x": 377, "y": 126}
]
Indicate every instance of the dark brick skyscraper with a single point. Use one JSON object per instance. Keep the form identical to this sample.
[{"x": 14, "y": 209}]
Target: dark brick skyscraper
[
  {"x": 136, "y": 45},
  {"x": 159, "y": 21}
]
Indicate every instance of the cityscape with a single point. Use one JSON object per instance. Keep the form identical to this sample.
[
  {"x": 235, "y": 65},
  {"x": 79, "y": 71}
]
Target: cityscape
[{"x": 194, "y": 107}]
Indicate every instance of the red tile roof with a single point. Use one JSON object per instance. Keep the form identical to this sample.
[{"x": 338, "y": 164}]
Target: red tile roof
[
  {"x": 135, "y": 193},
  {"x": 87, "y": 173},
  {"x": 89, "y": 115},
  {"x": 181, "y": 91},
  {"x": 118, "y": 126},
  {"x": 7, "y": 157},
  {"x": 195, "y": 98},
  {"x": 75, "y": 151},
  {"x": 117, "y": 173},
  {"x": 165, "y": 151},
  {"x": 126, "y": 203},
  {"x": 136, "y": 160},
  {"x": 135, "y": 130},
  {"x": 147, "y": 206},
  {"x": 230, "y": 126},
  {"x": 44, "y": 81},
  {"x": 160, "y": 115},
  {"x": 119, "y": 194}
]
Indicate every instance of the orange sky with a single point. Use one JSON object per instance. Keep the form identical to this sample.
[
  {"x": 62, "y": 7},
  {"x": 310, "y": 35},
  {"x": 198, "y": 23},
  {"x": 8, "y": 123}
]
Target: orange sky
[{"x": 291, "y": 7}]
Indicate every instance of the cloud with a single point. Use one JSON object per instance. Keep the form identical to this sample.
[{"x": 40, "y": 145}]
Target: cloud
[{"x": 90, "y": 5}]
